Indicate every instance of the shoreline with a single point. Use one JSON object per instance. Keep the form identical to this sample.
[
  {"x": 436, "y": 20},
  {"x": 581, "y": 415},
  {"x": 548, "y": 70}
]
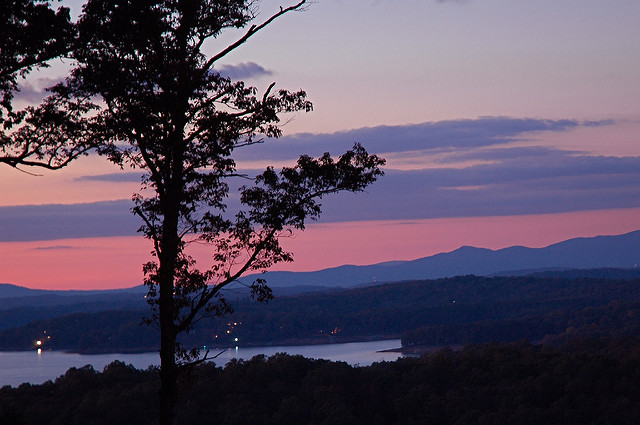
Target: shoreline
[
  {"x": 284, "y": 343},
  {"x": 418, "y": 350}
]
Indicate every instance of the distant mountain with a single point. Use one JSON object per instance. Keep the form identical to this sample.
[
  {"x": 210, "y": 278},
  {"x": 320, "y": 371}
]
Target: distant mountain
[
  {"x": 621, "y": 251},
  {"x": 563, "y": 259},
  {"x": 15, "y": 297},
  {"x": 9, "y": 291}
]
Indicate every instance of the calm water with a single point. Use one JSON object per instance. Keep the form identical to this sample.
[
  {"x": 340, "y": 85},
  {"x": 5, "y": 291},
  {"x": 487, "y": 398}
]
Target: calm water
[{"x": 29, "y": 366}]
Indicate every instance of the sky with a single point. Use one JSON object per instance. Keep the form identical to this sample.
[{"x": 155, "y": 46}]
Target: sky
[{"x": 503, "y": 123}]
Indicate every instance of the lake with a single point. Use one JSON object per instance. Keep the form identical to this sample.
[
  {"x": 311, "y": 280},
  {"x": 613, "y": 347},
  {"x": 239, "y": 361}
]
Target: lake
[{"x": 36, "y": 368}]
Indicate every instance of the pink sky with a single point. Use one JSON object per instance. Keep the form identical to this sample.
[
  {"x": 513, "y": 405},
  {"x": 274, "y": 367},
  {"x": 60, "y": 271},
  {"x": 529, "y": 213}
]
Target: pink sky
[
  {"x": 103, "y": 263},
  {"x": 448, "y": 61}
]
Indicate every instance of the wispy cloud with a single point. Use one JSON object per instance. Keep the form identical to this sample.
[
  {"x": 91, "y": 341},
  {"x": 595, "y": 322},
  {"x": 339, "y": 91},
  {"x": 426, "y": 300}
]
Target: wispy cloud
[
  {"x": 54, "y": 248},
  {"x": 243, "y": 70},
  {"x": 49, "y": 222},
  {"x": 124, "y": 177},
  {"x": 441, "y": 136},
  {"x": 529, "y": 181}
]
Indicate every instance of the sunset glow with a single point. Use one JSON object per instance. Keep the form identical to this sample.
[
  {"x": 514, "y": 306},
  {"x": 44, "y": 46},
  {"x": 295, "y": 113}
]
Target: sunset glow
[
  {"x": 503, "y": 123},
  {"x": 107, "y": 263}
]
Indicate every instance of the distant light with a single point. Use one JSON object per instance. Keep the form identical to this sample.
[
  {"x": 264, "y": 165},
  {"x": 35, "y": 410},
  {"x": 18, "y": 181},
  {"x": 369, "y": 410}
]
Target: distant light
[
  {"x": 39, "y": 351},
  {"x": 38, "y": 342},
  {"x": 236, "y": 339}
]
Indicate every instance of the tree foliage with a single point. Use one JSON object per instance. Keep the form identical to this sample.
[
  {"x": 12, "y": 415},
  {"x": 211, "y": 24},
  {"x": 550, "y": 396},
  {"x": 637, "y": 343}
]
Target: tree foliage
[
  {"x": 155, "y": 101},
  {"x": 54, "y": 133},
  {"x": 32, "y": 34}
]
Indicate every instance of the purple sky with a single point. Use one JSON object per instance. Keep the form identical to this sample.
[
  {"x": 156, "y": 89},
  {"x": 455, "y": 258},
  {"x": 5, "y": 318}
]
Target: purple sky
[{"x": 494, "y": 111}]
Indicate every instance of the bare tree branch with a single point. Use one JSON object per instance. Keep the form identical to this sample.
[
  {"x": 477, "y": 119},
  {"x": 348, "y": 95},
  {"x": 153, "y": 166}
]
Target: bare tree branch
[{"x": 251, "y": 32}]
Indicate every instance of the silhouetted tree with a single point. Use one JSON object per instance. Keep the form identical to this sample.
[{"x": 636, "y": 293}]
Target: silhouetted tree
[
  {"x": 54, "y": 133},
  {"x": 166, "y": 109},
  {"x": 32, "y": 34}
]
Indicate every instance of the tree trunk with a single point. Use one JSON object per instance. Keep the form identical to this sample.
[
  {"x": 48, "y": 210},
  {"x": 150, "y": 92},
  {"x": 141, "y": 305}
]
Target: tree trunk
[
  {"x": 168, "y": 378},
  {"x": 170, "y": 242},
  {"x": 168, "y": 368}
]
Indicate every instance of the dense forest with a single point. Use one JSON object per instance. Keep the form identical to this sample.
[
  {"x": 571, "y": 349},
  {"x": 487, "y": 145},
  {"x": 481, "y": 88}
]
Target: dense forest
[
  {"x": 586, "y": 370},
  {"x": 581, "y": 382},
  {"x": 618, "y": 318},
  {"x": 453, "y": 311}
]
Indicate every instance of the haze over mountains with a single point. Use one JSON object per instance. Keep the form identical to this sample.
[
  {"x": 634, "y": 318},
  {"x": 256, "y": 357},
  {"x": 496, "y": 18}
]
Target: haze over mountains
[{"x": 620, "y": 251}]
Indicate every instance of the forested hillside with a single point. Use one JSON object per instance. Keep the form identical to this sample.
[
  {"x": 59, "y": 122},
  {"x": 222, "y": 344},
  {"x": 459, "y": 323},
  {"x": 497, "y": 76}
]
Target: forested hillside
[{"x": 433, "y": 312}]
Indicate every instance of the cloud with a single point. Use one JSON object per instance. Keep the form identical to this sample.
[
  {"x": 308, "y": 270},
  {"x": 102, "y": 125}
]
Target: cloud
[
  {"x": 530, "y": 181},
  {"x": 522, "y": 181},
  {"x": 35, "y": 93},
  {"x": 499, "y": 178},
  {"x": 30, "y": 94},
  {"x": 243, "y": 70},
  {"x": 49, "y": 222},
  {"x": 124, "y": 177},
  {"x": 54, "y": 248},
  {"x": 441, "y": 136}
]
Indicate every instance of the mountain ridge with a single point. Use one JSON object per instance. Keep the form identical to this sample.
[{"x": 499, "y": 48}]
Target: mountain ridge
[{"x": 605, "y": 251}]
